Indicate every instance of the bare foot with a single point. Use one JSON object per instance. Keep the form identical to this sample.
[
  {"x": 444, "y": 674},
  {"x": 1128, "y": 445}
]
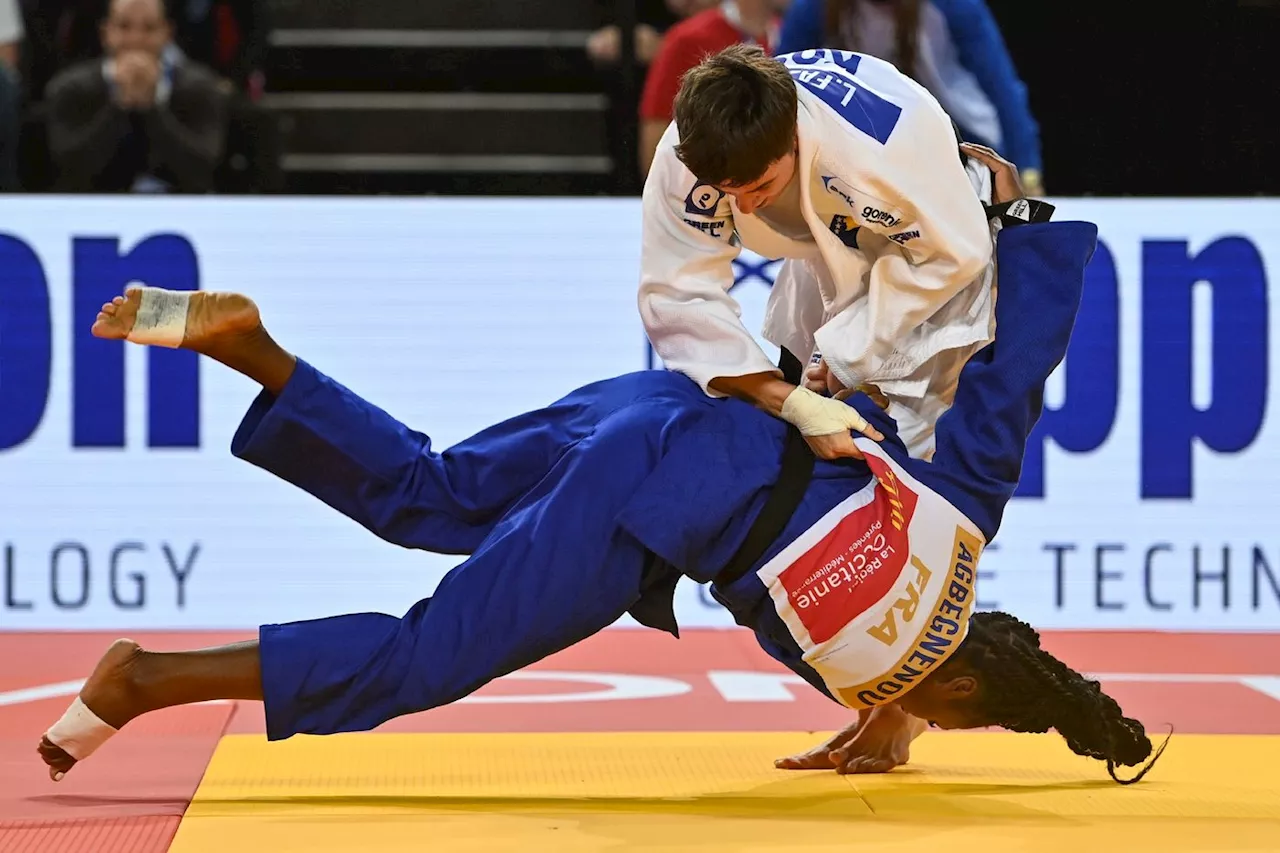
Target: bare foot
[
  {"x": 111, "y": 692},
  {"x": 211, "y": 317}
]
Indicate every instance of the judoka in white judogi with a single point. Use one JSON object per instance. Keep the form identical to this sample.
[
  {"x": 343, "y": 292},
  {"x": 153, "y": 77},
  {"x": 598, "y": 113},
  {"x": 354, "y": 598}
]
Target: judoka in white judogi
[{"x": 890, "y": 269}]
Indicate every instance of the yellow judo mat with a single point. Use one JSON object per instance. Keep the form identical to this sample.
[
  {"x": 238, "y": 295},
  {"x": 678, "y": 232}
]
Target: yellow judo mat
[{"x": 988, "y": 792}]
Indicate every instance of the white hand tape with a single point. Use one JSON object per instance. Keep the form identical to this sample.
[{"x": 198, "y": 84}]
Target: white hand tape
[{"x": 814, "y": 414}]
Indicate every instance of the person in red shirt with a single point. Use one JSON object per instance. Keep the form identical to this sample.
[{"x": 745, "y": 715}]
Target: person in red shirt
[{"x": 688, "y": 43}]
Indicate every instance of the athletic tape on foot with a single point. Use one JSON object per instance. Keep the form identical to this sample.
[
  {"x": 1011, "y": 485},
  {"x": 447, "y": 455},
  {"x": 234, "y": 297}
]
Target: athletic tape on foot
[
  {"x": 80, "y": 731},
  {"x": 162, "y": 317}
]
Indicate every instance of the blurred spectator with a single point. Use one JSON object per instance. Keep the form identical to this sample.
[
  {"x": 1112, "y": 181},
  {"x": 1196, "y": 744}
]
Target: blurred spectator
[
  {"x": 653, "y": 18},
  {"x": 229, "y": 36},
  {"x": 622, "y": 86},
  {"x": 951, "y": 47},
  {"x": 10, "y": 94},
  {"x": 685, "y": 45},
  {"x": 144, "y": 118}
]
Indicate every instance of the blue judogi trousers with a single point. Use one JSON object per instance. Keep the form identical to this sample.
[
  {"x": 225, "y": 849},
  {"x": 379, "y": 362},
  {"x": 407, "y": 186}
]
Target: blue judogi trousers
[{"x": 534, "y": 501}]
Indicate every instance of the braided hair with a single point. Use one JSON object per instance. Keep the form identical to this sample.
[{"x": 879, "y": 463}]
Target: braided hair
[{"x": 1026, "y": 689}]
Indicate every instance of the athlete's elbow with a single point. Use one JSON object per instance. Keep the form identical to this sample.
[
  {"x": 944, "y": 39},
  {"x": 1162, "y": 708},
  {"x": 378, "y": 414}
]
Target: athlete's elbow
[
  {"x": 650, "y": 296},
  {"x": 660, "y": 305}
]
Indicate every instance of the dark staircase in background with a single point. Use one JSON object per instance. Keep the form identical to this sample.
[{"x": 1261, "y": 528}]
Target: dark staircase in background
[{"x": 442, "y": 96}]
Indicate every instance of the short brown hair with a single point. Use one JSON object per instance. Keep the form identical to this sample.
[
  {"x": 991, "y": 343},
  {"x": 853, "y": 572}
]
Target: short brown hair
[{"x": 736, "y": 113}]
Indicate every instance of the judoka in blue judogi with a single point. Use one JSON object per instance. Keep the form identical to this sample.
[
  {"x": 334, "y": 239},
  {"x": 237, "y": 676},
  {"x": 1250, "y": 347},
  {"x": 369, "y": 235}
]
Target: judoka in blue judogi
[{"x": 593, "y": 507}]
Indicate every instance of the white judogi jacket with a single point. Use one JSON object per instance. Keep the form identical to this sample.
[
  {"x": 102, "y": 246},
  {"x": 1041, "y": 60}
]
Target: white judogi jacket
[{"x": 895, "y": 288}]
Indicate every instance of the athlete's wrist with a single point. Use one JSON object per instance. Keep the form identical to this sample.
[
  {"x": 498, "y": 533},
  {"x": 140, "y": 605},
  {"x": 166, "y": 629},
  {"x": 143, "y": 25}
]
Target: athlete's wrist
[{"x": 766, "y": 391}]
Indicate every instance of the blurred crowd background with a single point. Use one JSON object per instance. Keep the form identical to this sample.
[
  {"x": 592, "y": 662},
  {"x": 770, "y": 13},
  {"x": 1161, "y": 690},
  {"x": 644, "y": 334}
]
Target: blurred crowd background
[{"x": 569, "y": 97}]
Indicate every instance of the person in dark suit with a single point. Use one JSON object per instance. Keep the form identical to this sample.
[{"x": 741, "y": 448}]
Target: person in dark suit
[{"x": 144, "y": 118}]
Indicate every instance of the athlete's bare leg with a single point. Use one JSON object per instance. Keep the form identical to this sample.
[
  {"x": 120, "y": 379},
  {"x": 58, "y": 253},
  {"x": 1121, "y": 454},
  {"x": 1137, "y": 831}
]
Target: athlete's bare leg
[{"x": 129, "y": 681}]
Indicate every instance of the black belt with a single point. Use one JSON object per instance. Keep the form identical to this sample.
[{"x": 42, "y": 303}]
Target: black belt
[
  {"x": 1020, "y": 211},
  {"x": 788, "y": 491}
]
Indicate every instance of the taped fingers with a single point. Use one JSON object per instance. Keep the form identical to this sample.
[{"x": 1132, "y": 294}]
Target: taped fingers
[{"x": 816, "y": 415}]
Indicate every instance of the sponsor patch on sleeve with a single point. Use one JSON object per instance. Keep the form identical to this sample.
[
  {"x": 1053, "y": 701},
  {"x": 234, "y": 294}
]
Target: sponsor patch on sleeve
[
  {"x": 714, "y": 227},
  {"x": 703, "y": 200},
  {"x": 705, "y": 210}
]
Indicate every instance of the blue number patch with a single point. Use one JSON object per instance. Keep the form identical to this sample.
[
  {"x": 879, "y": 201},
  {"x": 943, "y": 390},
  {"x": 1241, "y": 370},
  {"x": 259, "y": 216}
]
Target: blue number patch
[{"x": 865, "y": 110}]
